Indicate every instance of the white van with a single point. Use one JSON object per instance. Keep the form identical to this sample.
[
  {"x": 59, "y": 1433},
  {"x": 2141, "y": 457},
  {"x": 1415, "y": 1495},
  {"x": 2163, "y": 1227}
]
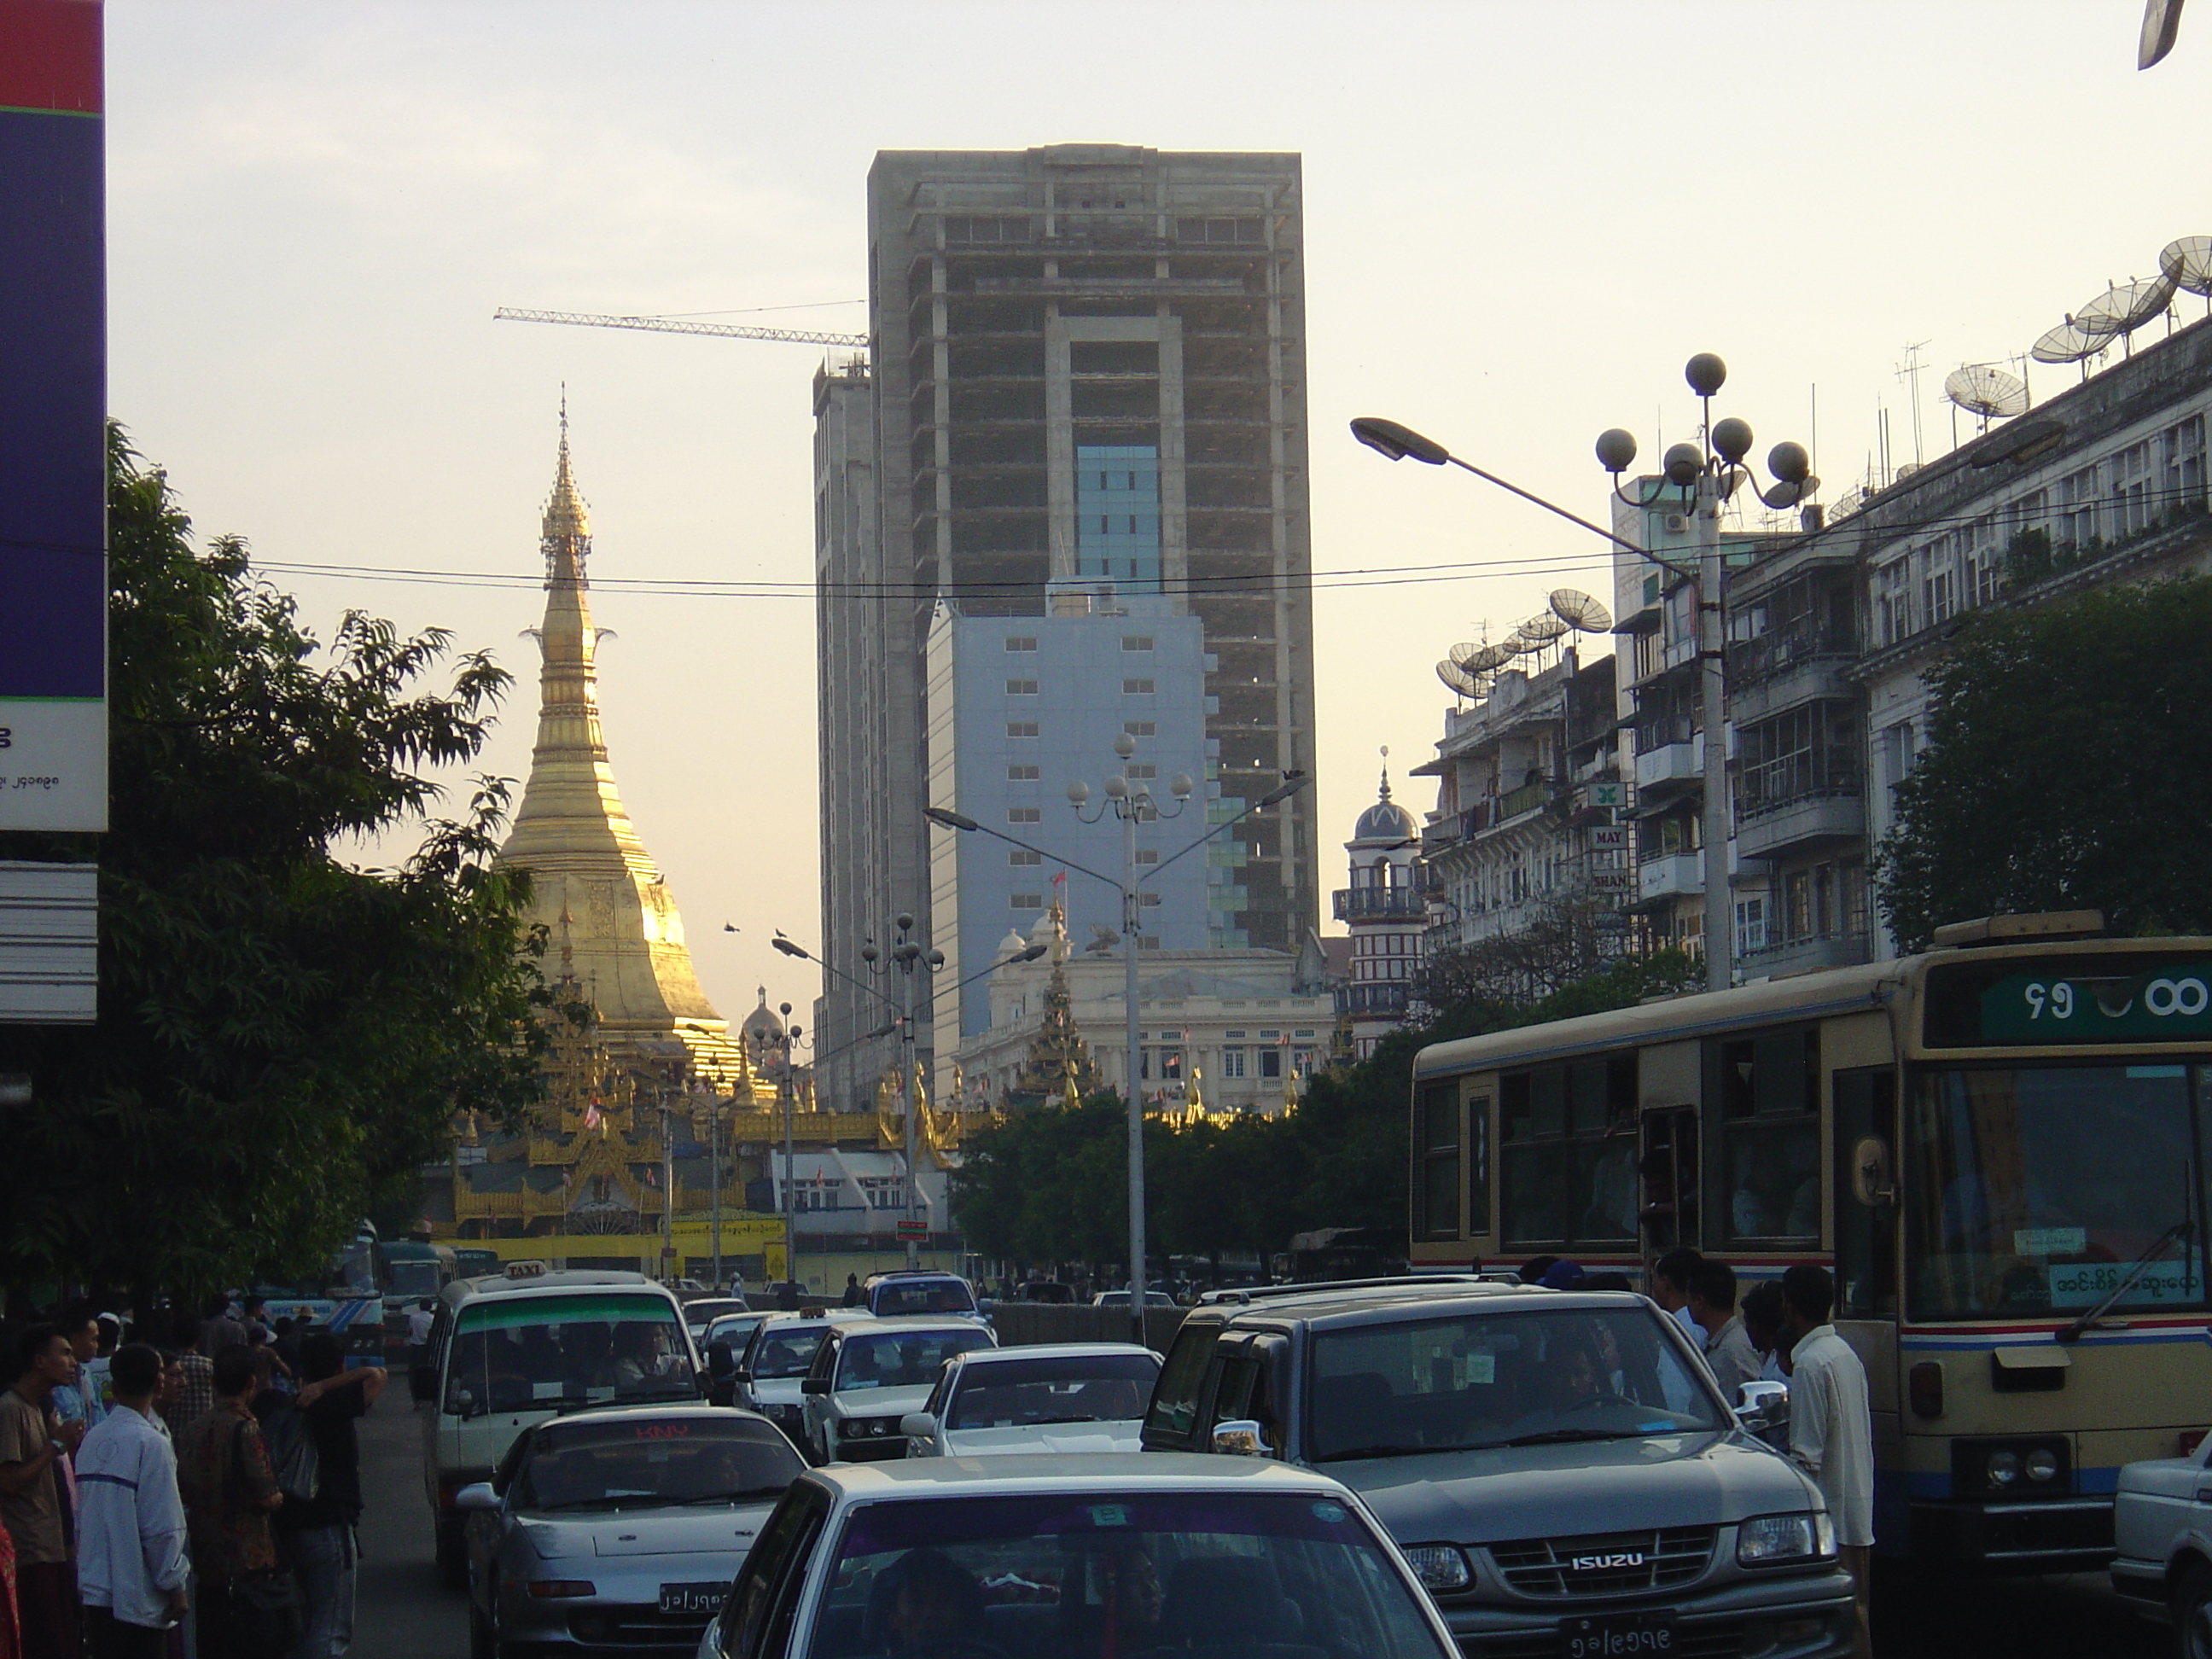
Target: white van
[{"x": 510, "y": 1351}]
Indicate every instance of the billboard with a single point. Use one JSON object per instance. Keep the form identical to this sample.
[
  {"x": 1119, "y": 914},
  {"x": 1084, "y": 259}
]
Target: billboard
[{"x": 54, "y": 406}]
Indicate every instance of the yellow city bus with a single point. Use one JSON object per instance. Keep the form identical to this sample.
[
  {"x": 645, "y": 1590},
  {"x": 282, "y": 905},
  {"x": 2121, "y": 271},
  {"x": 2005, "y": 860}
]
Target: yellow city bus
[{"x": 2000, "y": 1148}]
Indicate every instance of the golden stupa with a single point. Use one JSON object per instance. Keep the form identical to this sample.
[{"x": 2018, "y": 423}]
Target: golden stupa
[{"x": 594, "y": 887}]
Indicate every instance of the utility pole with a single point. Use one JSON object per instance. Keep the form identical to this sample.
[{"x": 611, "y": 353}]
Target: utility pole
[
  {"x": 790, "y": 1192},
  {"x": 715, "y": 1175},
  {"x": 1712, "y": 714}
]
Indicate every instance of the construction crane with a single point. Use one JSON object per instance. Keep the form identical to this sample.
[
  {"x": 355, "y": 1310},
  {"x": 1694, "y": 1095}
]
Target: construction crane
[{"x": 679, "y": 325}]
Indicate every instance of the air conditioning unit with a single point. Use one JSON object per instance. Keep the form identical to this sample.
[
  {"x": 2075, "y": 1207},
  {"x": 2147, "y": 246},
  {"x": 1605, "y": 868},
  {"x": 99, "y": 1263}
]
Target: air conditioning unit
[{"x": 1677, "y": 524}]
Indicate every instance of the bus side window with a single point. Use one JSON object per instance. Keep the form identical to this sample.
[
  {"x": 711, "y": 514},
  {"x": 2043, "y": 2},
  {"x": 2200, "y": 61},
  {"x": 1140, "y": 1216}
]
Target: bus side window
[
  {"x": 1768, "y": 1149},
  {"x": 1866, "y": 1235},
  {"x": 1477, "y": 1166}
]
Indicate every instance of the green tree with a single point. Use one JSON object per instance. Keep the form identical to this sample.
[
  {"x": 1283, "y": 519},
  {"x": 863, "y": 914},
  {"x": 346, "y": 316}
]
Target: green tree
[
  {"x": 2063, "y": 768},
  {"x": 282, "y": 1035}
]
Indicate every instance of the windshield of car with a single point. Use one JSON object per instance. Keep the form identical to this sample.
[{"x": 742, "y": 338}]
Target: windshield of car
[
  {"x": 2037, "y": 1190},
  {"x": 412, "y": 1279},
  {"x": 654, "y": 1461},
  {"x": 1503, "y": 1378},
  {"x": 922, "y": 1296},
  {"x": 541, "y": 1353},
  {"x": 1095, "y": 1574},
  {"x": 784, "y": 1351},
  {"x": 903, "y": 1359},
  {"x": 1019, "y": 1393}
]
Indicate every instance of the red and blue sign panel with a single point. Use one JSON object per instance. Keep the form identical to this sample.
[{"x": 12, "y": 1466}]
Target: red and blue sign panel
[{"x": 54, "y": 406}]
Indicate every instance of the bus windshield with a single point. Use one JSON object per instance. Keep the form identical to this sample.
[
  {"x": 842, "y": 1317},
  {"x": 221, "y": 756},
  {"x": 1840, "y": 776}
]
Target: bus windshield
[
  {"x": 541, "y": 1354},
  {"x": 2038, "y": 1191}
]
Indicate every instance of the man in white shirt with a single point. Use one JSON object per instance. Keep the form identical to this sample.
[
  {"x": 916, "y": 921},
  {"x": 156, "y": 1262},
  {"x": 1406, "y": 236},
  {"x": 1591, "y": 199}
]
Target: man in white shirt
[
  {"x": 1831, "y": 1434},
  {"x": 1728, "y": 1350},
  {"x": 131, "y": 1560}
]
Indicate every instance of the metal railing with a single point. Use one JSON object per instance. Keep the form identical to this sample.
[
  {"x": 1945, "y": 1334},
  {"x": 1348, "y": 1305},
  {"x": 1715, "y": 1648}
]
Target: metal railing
[
  {"x": 1361, "y": 903},
  {"x": 1777, "y": 784},
  {"x": 1750, "y": 661}
]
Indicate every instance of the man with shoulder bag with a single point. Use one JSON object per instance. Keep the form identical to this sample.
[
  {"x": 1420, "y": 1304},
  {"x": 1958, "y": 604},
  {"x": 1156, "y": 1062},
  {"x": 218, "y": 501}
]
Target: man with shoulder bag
[{"x": 249, "y": 1603}]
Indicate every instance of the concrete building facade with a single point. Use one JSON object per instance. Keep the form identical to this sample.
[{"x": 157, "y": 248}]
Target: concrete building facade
[{"x": 1088, "y": 362}]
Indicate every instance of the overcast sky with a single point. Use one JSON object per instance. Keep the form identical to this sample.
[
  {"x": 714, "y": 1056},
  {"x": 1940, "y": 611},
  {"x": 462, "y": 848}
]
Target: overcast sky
[{"x": 1520, "y": 219}]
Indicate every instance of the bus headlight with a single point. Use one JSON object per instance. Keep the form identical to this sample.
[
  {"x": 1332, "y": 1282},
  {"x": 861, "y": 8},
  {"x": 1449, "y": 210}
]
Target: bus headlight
[
  {"x": 2004, "y": 1467},
  {"x": 2042, "y": 1466}
]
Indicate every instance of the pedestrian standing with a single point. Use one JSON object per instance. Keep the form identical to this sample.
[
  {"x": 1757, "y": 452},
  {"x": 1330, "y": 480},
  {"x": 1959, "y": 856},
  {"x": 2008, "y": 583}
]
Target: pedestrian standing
[
  {"x": 219, "y": 1327},
  {"x": 77, "y": 1401},
  {"x": 34, "y": 1441},
  {"x": 1729, "y": 1351},
  {"x": 131, "y": 1561},
  {"x": 196, "y": 1398},
  {"x": 1830, "y": 1433},
  {"x": 1670, "y": 1289},
  {"x": 331, "y": 1399},
  {"x": 852, "y": 1291},
  {"x": 1766, "y": 1322},
  {"x": 418, "y": 1335},
  {"x": 229, "y": 1491}
]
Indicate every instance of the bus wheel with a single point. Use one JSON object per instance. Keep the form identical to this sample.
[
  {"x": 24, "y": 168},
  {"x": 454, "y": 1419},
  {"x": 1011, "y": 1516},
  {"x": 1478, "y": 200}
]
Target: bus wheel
[{"x": 2193, "y": 1615}]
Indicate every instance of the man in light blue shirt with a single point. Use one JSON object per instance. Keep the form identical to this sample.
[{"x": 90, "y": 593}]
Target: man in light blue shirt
[{"x": 131, "y": 1560}]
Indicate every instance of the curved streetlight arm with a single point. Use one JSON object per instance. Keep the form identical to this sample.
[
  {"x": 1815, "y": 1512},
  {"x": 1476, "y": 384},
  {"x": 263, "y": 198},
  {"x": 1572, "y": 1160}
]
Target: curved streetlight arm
[
  {"x": 949, "y": 820},
  {"x": 793, "y": 948}
]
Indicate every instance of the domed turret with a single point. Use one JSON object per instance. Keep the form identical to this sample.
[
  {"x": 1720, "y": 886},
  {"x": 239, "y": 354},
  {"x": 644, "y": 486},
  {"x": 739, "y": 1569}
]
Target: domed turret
[{"x": 1386, "y": 822}]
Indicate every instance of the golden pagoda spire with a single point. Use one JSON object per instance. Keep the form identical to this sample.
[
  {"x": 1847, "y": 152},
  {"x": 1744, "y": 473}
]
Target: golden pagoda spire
[{"x": 594, "y": 881}]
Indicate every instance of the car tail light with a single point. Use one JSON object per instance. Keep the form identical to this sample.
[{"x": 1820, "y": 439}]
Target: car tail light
[
  {"x": 1924, "y": 1385},
  {"x": 550, "y": 1589},
  {"x": 2191, "y": 1440}
]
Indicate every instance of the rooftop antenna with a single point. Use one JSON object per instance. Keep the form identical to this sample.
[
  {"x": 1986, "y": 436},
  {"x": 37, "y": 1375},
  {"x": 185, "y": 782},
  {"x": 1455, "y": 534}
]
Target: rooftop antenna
[
  {"x": 1985, "y": 391},
  {"x": 2186, "y": 263},
  {"x": 1908, "y": 372}
]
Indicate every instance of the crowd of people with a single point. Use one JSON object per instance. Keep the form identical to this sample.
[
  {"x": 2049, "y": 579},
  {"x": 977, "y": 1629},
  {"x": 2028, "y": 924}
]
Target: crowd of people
[{"x": 180, "y": 1486}]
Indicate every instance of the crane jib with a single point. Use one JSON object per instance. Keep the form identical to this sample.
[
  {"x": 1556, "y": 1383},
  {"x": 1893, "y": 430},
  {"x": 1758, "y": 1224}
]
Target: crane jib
[{"x": 678, "y": 326}]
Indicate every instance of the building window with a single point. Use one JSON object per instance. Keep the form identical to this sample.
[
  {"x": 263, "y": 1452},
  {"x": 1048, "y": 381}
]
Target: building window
[
  {"x": 1021, "y": 728},
  {"x": 1136, "y": 641},
  {"x": 2075, "y": 525},
  {"x": 1025, "y": 815},
  {"x": 1148, "y": 941},
  {"x": 2133, "y": 509},
  {"x": 1149, "y": 901},
  {"x": 2183, "y": 486},
  {"x": 1985, "y": 560},
  {"x": 1021, "y": 688},
  {"x": 1750, "y": 926},
  {"x": 1022, "y": 774},
  {"x": 1140, "y": 728},
  {"x": 1022, "y": 855},
  {"x": 1271, "y": 1061},
  {"x": 1136, "y": 688},
  {"x": 1148, "y": 855},
  {"x": 1141, "y": 771},
  {"x": 1939, "y": 588},
  {"x": 1026, "y": 902},
  {"x": 1232, "y": 1063},
  {"x": 1021, "y": 642},
  {"x": 1893, "y": 601},
  {"x": 1233, "y": 1037}
]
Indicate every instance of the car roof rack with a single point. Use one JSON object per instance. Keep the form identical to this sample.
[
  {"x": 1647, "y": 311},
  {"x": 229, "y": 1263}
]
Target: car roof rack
[{"x": 1243, "y": 1294}]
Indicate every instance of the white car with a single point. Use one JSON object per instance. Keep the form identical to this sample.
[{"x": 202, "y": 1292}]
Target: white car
[
  {"x": 868, "y": 1375},
  {"x": 1040, "y": 1557},
  {"x": 1058, "y": 1397},
  {"x": 2162, "y": 1526},
  {"x": 777, "y": 1360}
]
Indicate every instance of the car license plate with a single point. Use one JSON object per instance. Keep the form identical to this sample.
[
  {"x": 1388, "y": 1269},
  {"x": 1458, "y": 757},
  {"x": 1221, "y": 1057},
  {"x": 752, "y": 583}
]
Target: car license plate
[
  {"x": 697, "y": 1598},
  {"x": 1623, "y": 1635}
]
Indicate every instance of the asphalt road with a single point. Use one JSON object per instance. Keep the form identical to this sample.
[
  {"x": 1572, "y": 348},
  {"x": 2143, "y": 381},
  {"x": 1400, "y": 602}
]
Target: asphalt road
[{"x": 405, "y": 1613}]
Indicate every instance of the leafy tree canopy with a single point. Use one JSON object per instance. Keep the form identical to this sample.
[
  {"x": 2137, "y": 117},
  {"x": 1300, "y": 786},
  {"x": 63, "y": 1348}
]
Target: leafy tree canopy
[
  {"x": 2063, "y": 768},
  {"x": 282, "y": 1035}
]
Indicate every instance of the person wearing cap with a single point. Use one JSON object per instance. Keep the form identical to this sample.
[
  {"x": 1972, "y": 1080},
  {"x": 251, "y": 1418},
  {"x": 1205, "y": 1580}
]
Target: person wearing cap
[{"x": 1562, "y": 1276}]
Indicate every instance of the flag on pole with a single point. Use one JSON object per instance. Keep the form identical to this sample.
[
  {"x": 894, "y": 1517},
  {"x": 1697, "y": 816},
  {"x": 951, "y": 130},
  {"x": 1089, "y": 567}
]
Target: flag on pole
[
  {"x": 594, "y": 1118},
  {"x": 652, "y": 1177}
]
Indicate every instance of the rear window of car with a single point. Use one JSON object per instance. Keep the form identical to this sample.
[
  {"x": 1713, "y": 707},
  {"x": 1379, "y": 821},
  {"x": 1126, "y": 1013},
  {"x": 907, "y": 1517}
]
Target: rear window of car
[
  {"x": 1021, "y": 1394},
  {"x": 903, "y": 1359},
  {"x": 641, "y": 1461},
  {"x": 922, "y": 1296}
]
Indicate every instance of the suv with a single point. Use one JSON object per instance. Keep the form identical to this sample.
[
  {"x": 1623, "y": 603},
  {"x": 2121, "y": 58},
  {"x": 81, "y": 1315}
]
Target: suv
[
  {"x": 919, "y": 1291},
  {"x": 867, "y": 1377},
  {"x": 1559, "y": 1467}
]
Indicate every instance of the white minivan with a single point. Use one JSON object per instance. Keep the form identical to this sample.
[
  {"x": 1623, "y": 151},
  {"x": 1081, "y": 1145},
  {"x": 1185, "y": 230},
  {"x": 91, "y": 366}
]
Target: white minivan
[{"x": 510, "y": 1351}]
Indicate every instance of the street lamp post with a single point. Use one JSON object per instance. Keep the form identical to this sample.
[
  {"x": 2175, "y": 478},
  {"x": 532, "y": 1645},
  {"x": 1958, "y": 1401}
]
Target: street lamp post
[
  {"x": 1707, "y": 475},
  {"x": 906, "y": 954},
  {"x": 1132, "y": 804}
]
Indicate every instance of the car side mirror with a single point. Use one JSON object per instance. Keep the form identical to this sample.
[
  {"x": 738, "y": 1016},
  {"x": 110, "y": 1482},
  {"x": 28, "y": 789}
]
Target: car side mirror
[
  {"x": 1239, "y": 1436},
  {"x": 1762, "y": 1405},
  {"x": 918, "y": 1425},
  {"x": 1872, "y": 1183},
  {"x": 720, "y": 1363},
  {"x": 814, "y": 1385},
  {"x": 478, "y": 1497},
  {"x": 423, "y": 1383},
  {"x": 744, "y": 1379}
]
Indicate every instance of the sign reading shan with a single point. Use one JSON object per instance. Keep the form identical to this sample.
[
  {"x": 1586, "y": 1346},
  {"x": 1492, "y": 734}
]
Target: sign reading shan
[{"x": 53, "y": 399}]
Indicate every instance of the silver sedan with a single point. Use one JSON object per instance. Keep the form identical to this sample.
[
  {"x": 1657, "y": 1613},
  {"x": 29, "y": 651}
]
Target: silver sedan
[{"x": 618, "y": 1528}]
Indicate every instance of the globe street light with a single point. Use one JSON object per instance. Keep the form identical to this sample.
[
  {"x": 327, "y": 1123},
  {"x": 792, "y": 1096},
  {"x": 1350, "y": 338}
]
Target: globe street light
[{"x": 1132, "y": 802}]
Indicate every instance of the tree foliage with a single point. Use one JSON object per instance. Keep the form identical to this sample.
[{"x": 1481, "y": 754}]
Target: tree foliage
[
  {"x": 282, "y": 1036},
  {"x": 1051, "y": 1184},
  {"x": 2064, "y": 769}
]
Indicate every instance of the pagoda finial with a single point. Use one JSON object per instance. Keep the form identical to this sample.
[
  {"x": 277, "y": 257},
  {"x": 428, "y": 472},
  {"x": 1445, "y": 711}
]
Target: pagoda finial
[
  {"x": 568, "y": 525},
  {"x": 1385, "y": 791}
]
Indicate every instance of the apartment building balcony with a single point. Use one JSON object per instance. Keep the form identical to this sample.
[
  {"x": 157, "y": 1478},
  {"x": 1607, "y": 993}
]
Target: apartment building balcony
[
  {"x": 1799, "y": 809},
  {"x": 1806, "y": 956},
  {"x": 1671, "y": 875},
  {"x": 1669, "y": 770},
  {"x": 1380, "y": 904},
  {"x": 1778, "y": 672},
  {"x": 1374, "y": 999}
]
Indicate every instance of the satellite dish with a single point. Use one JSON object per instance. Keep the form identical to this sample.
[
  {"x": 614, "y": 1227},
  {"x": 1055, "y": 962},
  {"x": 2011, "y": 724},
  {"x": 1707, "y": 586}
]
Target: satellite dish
[
  {"x": 1485, "y": 659},
  {"x": 2126, "y": 306},
  {"x": 1986, "y": 390},
  {"x": 1580, "y": 612},
  {"x": 2187, "y": 263},
  {"x": 2068, "y": 342},
  {"x": 1454, "y": 678},
  {"x": 1540, "y": 629},
  {"x": 1466, "y": 651}
]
